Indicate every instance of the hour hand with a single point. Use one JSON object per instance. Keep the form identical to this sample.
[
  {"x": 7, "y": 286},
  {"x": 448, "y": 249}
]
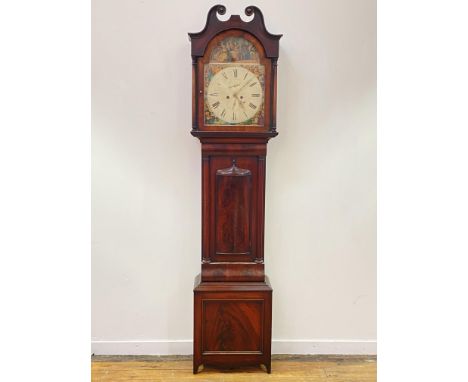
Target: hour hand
[{"x": 239, "y": 101}]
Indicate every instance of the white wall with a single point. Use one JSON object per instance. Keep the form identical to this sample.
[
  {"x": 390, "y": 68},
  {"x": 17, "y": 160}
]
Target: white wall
[{"x": 320, "y": 240}]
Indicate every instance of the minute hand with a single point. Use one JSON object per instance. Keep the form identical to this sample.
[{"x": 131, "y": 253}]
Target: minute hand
[{"x": 242, "y": 87}]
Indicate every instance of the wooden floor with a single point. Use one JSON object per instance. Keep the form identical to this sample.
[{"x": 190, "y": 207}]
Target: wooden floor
[{"x": 284, "y": 368}]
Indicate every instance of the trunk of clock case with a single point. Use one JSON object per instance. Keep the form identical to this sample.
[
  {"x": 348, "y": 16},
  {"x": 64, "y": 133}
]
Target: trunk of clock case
[{"x": 233, "y": 209}]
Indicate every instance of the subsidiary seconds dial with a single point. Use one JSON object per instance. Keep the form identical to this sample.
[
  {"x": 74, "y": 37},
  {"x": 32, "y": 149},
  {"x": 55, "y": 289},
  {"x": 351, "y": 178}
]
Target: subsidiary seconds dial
[{"x": 234, "y": 94}]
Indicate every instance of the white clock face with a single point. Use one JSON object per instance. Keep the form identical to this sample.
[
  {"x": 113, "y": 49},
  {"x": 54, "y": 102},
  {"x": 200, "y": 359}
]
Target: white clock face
[{"x": 234, "y": 94}]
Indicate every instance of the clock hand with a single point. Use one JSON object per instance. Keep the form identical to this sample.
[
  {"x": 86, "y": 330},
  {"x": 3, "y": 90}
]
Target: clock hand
[
  {"x": 239, "y": 101},
  {"x": 243, "y": 86}
]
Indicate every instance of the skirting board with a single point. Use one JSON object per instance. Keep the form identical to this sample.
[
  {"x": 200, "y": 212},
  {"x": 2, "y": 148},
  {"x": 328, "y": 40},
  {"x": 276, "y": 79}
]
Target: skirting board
[{"x": 184, "y": 347}]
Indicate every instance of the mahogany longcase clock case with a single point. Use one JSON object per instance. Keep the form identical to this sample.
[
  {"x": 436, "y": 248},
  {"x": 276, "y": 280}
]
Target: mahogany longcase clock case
[{"x": 234, "y": 116}]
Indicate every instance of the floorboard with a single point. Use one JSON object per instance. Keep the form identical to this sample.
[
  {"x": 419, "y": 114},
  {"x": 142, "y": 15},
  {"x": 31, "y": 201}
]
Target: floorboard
[{"x": 285, "y": 368}]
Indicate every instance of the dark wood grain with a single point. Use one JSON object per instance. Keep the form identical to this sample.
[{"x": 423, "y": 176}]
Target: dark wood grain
[
  {"x": 232, "y": 324},
  {"x": 232, "y": 295},
  {"x": 233, "y": 202},
  {"x": 230, "y": 271},
  {"x": 220, "y": 224}
]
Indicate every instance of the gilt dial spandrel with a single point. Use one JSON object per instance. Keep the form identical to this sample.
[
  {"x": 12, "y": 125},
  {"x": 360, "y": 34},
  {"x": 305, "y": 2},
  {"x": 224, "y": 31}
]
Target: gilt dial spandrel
[{"x": 234, "y": 84}]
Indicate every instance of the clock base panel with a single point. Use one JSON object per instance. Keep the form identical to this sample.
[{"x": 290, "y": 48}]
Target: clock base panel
[{"x": 232, "y": 324}]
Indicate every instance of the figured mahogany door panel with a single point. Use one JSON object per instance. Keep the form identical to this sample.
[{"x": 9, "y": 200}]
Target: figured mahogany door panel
[
  {"x": 232, "y": 326},
  {"x": 233, "y": 208}
]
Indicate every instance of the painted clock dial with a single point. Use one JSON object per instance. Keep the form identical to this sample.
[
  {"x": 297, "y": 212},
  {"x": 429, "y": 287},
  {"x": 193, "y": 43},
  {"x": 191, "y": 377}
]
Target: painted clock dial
[
  {"x": 235, "y": 95},
  {"x": 234, "y": 84}
]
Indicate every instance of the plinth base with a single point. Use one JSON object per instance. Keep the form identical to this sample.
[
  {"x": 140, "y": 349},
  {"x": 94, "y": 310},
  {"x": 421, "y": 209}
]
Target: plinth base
[{"x": 232, "y": 324}]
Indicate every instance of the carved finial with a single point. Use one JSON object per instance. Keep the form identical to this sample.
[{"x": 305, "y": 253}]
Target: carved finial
[
  {"x": 220, "y": 9},
  {"x": 249, "y": 11},
  {"x": 253, "y": 10},
  {"x": 233, "y": 162}
]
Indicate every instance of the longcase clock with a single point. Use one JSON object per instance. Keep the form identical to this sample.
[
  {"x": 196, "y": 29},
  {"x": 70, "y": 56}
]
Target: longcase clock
[{"x": 234, "y": 116}]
